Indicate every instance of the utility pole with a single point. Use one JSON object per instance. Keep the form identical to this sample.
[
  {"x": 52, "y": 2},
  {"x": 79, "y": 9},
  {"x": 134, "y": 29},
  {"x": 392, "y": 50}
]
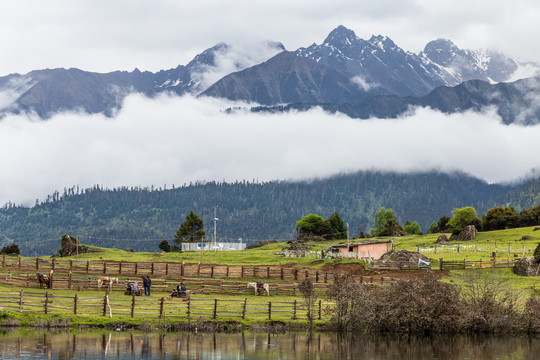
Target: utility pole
[{"x": 215, "y": 227}]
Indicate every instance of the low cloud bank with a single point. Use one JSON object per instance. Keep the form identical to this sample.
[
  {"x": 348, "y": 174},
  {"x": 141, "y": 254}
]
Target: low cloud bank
[{"x": 173, "y": 140}]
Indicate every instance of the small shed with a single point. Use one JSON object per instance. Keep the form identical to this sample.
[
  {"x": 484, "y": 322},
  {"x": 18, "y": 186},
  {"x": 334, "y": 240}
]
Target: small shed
[{"x": 361, "y": 250}]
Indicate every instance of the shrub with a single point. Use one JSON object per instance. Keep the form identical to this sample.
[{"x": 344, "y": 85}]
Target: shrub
[
  {"x": 164, "y": 246},
  {"x": 536, "y": 254},
  {"x": 12, "y": 249},
  {"x": 491, "y": 304}
]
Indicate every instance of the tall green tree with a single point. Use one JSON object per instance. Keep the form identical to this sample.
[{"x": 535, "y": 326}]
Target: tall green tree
[
  {"x": 338, "y": 226},
  {"x": 310, "y": 223},
  {"x": 191, "y": 230},
  {"x": 383, "y": 219},
  {"x": 463, "y": 217},
  {"x": 413, "y": 228}
]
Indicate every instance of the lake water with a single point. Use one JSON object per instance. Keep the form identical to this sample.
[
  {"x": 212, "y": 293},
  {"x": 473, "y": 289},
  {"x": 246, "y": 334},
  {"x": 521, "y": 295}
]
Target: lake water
[{"x": 31, "y": 344}]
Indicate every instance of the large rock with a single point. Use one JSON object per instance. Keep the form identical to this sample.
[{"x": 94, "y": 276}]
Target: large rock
[
  {"x": 526, "y": 267},
  {"x": 69, "y": 246},
  {"x": 466, "y": 235},
  {"x": 442, "y": 240},
  {"x": 403, "y": 255}
]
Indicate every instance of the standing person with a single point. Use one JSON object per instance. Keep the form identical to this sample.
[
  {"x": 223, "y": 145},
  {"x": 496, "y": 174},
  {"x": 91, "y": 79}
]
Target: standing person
[{"x": 146, "y": 283}]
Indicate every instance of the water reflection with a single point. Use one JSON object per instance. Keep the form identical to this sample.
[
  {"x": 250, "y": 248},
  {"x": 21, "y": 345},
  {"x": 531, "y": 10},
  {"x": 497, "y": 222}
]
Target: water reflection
[{"x": 30, "y": 344}]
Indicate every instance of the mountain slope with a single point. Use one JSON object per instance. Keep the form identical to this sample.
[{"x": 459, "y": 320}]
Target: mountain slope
[
  {"x": 514, "y": 102},
  {"x": 288, "y": 78}
]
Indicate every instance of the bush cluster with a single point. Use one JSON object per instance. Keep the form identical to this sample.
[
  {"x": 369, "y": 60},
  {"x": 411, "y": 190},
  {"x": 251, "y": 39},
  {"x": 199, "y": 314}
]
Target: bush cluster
[{"x": 431, "y": 306}]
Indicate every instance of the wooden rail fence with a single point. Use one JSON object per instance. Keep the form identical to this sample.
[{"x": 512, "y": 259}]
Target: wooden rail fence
[
  {"x": 163, "y": 270},
  {"x": 191, "y": 309},
  {"x": 475, "y": 264}
]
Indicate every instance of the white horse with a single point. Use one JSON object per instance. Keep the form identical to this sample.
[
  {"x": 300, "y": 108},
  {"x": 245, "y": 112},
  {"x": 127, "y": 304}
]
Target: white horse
[
  {"x": 265, "y": 287},
  {"x": 106, "y": 281}
]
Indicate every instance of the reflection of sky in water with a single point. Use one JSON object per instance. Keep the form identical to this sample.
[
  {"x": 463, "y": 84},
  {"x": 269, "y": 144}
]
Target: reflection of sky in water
[{"x": 29, "y": 344}]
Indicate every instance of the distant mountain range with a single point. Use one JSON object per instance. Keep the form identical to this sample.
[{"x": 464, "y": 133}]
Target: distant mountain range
[{"x": 362, "y": 78}]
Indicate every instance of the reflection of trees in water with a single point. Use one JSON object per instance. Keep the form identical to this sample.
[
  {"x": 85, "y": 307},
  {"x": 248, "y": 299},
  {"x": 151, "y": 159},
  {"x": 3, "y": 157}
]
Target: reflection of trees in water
[{"x": 263, "y": 346}]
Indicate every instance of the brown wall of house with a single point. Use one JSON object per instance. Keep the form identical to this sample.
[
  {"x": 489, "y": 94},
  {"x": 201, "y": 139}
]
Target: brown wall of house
[{"x": 369, "y": 250}]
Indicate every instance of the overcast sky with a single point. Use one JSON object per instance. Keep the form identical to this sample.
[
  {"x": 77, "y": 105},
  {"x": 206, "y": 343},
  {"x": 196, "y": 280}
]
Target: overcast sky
[
  {"x": 104, "y": 35},
  {"x": 172, "y": 140}
]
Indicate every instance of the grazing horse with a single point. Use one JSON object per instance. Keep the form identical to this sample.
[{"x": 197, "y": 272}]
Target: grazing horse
[
  {"x": 45, "y": 279},
  {"x": 264, "y": 287},
  {"x": 108, "y": 281}
]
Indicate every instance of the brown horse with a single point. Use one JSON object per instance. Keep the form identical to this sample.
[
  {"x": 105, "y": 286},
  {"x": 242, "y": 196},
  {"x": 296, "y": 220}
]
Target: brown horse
[{"x": 45, "y": 279}]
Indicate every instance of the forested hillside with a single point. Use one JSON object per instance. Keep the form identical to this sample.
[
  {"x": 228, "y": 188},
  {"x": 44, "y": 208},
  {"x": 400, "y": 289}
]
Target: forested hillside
[{"x": 139, "y": 218}]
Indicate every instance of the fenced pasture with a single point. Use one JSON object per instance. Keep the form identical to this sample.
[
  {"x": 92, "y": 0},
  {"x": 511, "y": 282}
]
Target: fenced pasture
[
  {"x": 163, "y": 270},
  {"x": 161, "y": 308}
]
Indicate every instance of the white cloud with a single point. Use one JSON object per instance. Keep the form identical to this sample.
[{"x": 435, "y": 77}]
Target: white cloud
[
  {"x": 235, "y": 57},
  {"x": 121, "y": 35},
  {"x": 171, "y": 140},
  {"x": 362, "y": 83}
]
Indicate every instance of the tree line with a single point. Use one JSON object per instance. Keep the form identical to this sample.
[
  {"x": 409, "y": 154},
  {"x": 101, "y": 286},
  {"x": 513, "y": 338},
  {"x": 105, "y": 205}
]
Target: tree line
[{"x": 139, "y": 218}]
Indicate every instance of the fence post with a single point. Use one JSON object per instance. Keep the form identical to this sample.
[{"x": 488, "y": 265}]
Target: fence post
[
  {"x": 440, "y": 263},
  {"x": 294, "y": 310},
  {"x": 136, "y": 268},
  {"x": 189, "y": 310},
  {"x": 75, "y": 299},
  {"x": 104, "y": 267},
  {"x": 269, "y": 310},
  {"x": 87, "y": 266},
  {"x": 120, "y": 268},
  {"x": 46, "y": 301},
  {"x": 20, "y": 262},
  {"x": 3, "y": 260},
  {"x": 244, "y": 309},
  {"x": 268, "y": 272},
  {"x": 161, "y": 307},
  {"x": 21, "y": 300},
  {"x": 167, "y": 269},
  {"x": 464, "y": 264},
  {"x": 105, "y": 305},
  {"x": 241, "y": 270},
  {"x": 199, "y": 268},
  {"x": 227, "y": 271},
  {"x": 320, "y": 309},
  {"x": 317, "y": 276},
  {"x": 295, "y": 271},
  {"x": 69, "y": 280},
  {"x": 182, "y": 269},
  {"x": 132, "y": 305},
  {"x": 325, "y": 277},
  {"x": 212, "y": 272},
  {"x": 37, "y": 264},
  {"x": 70, "y": 265},
  {"x": 152, "y": 269},
  {"x": 281, "y": 275},
  {"x": 215, "y": 308}
]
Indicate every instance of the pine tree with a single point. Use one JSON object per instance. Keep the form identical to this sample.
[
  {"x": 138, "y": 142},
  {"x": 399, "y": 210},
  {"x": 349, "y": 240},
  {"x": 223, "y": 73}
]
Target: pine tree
[{"x": 191, "y": 230}]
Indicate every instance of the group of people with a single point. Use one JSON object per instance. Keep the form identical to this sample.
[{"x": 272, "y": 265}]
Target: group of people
[{"x": 133, "y": 287}]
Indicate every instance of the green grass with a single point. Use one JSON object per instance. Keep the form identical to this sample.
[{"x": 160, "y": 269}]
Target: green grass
[{"x": 481, "y": 247}]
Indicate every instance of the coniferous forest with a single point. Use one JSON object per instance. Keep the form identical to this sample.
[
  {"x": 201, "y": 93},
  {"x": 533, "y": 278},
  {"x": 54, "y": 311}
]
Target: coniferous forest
[{"x": 140, "y": 218}]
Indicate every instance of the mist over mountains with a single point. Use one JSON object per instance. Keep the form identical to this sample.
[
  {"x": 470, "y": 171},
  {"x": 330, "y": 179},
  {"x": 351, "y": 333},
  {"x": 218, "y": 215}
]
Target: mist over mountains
[{"x": 361, "y": 78}]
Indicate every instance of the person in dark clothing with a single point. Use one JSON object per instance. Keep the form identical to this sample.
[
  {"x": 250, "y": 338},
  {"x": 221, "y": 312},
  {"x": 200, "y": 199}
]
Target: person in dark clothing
[
  {"x": 180, "y": 290},
  {"x": 146, "y": 283}
]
